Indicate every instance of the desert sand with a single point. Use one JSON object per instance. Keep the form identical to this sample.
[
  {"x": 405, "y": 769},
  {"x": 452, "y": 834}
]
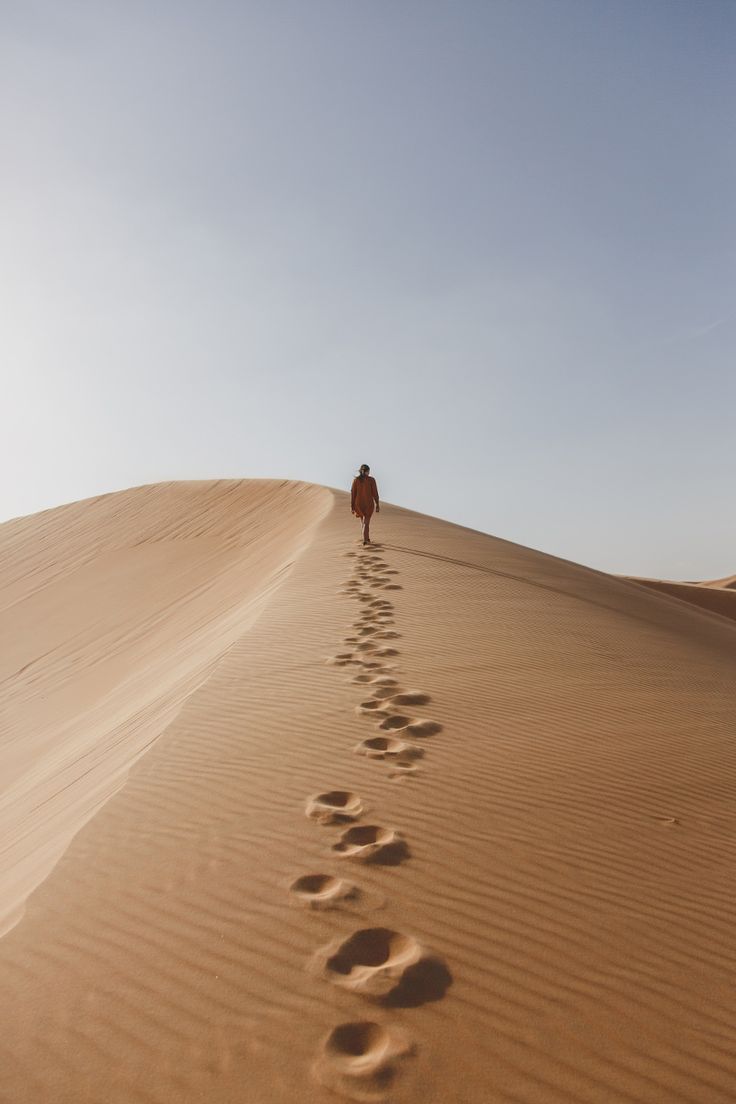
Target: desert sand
[
  {"x": 284, "y": 818},
  {"x": 718, "y": 596}
]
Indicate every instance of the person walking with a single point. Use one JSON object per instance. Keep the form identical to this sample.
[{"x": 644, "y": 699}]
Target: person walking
[{"x": 363, "y": 497}]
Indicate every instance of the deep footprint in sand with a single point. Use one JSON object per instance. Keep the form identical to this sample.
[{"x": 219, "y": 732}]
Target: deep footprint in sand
[
  {"x": 421, "y": 729},
  {"x": 398, "y": 722},
  {"x": 395, "y": 722},
  {"x": 385, "y": 691},
  {"x": 343, "y": 660},
  {"x": 388, "y": 747},
  {"x": 386, "y": 651},
  {"x": 385, "y": 965},
  {"x": 362, "y": 1060},
  {"x": 373, "y": 707},
  {"x": 370, "y": 663},
  {"x": 334, "y": 807},
  {"x": 371, "y": 961},
  {"x": 410, "y": 697},
  {"x": 322, "y": 891},
  {"x": 371, "y": 843}
]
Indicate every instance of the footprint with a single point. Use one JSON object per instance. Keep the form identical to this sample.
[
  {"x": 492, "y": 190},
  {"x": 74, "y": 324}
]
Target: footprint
[
  {"x": 322, "y": 891},
  {"x": 393, "y": 586},
  {"x": 363, "y": 678},
  {"x": 388, "y": 634},
  {"x": 362, "y": 1060},
  {"x": 371, "y": 843},
  {"x": 384, "y": 691},
  {"x": 385, "y": 965},
  {"x": 334, "y": 807},
  {"x": 386, "y": 651},
  {"x": 371, "y": 707},
  {"x": 388, "y": 747},
  {"x": 423, "y": 728},
  {"x": 395, "y": 722},
  {"x": 371, "y": 961},
  {"x": 368, "y": 646},
  {"x": 368, "y": 630},
  {"x": 410, "y": 697}
]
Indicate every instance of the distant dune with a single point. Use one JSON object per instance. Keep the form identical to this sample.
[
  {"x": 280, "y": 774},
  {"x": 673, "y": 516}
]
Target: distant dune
[
  {"x": 718, "y": 597},
  {"x": 729, "y": 583},
  {"x": 288, "y": 819}
]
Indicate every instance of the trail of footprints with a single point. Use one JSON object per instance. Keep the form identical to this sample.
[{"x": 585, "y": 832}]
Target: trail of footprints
[{"x": 362, "y": 1059}]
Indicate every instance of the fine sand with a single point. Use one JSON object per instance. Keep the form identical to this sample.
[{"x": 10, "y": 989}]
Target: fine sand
[
  {"x": 288, "y": 819},
  {"x": 718, "y": 596}
]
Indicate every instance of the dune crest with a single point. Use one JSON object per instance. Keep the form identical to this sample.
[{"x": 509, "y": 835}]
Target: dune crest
[{"x": 484, "y": 859}]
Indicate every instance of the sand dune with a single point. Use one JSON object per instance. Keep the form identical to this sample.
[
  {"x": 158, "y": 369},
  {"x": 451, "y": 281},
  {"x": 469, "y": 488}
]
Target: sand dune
[
  {"x": 444, "y": 819},
  {"x": 729, "y": 583},
  {"x": 717, "y": 597}
]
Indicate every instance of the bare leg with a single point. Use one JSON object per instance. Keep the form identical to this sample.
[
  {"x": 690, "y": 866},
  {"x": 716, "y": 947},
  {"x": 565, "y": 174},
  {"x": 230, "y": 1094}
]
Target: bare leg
[{"x": 367, "y": 529}]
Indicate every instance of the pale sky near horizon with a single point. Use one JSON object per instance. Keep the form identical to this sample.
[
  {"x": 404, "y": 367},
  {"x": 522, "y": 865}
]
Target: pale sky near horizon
[{"x": 486, "y": 247}]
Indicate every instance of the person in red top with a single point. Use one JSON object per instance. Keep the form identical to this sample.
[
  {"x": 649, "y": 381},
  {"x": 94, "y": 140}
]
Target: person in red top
[{"x": 363, "y": 496}]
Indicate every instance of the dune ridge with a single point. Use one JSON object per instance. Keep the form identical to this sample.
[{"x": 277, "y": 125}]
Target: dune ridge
[{"x": 551, "y": 920}]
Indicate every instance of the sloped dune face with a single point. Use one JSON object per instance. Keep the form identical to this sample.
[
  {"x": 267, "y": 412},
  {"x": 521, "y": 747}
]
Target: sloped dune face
[
  {"x": 718, "y": 597},
  {"x": 113, "y": 610},
  {"x": 485, "y": 860}
]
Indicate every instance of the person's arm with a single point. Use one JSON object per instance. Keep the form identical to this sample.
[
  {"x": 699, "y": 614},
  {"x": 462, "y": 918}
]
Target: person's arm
[
  {"x": 352, "y": 495},
  {"x": 375, "y": 496}
]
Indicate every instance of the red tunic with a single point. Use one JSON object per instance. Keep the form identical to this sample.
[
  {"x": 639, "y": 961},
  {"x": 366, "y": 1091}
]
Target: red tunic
[{"x": 364, "y": 496}]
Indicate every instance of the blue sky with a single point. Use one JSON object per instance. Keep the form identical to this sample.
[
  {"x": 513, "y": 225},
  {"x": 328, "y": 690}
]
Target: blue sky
[{"x": 487, "y": 248}]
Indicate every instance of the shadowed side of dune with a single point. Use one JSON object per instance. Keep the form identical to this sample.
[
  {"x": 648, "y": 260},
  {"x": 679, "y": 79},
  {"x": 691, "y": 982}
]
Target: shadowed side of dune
[{"x": 113, "y": 611}]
